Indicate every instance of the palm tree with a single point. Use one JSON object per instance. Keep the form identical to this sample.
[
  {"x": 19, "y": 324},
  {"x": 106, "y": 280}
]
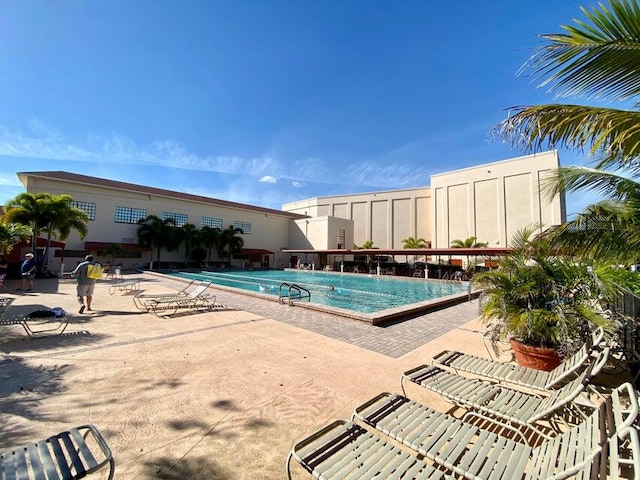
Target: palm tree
[
  {"x": 230, "y": 242},
  {"x": 411, "y": 242},
  {"x": 64, "y": 218},
  {"x": 547, "y": 300},
  {"x": 470, "y": 242},
  {"x": 368, "y": 245},
  {"x": 43, "y": 212},
  {"x": 191, "y": 239},
  {"x": 156, "y": 233},
  {"x": 11, "y": 234},
  {"x": 606, "y": 230},
  {"x": 597, "y": 58},
  {"x": 210, "y": 239},
  {"x": 114, "y": 251}
]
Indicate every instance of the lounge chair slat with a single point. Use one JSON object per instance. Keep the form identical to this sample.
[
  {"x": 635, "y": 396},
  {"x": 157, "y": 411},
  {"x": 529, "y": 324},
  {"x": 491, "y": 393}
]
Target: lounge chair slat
[
  {"x": 72, "y": 454},
  {"x": 48, "y": 462},
  {"x": 61, "y": 459},
  {"x": 90, "y": 461}
]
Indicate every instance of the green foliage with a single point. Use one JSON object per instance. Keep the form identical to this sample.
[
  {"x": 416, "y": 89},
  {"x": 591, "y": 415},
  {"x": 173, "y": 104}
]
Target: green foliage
[
  {"x": 411, "y": 242},
  {"x": 471, "y": 242},
  {"x": 44, "y": 212},
  {"x": 198, "y": 254},
  {"x": 543, "y": 299},
  {"x": 230, "y": 242},
  {"x": 210, "y": 239},
  {"x": 11, "y": 234},
  {"x": 598, "y": 58},
  {"x": 191, "y": 239},
  {"x": 157, "y": 233},
  {"x": 114, "y": 251}
]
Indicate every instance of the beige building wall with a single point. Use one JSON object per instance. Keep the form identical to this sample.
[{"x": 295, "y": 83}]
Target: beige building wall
[
  {"x": 494, "y": 200},
  {"x": 385, "y": 217},
  {"x": 269, "y": 228},
  {"x": 490, "y": 201}
]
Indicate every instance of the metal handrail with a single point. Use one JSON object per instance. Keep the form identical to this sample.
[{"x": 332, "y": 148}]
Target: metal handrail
[{"x": 293, "y": 292}]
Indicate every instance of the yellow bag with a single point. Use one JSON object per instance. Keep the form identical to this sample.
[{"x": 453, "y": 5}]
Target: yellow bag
[{"x": 95, "y": 271}]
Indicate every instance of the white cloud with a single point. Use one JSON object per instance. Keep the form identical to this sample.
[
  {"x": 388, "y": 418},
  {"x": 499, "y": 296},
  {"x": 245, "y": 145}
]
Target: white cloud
[
  {"x": 393, "y": 169},
  {"x": 9, "y": 180},
  {"x": 268, "y": 179},
  {"x": 239, "y": 191}
]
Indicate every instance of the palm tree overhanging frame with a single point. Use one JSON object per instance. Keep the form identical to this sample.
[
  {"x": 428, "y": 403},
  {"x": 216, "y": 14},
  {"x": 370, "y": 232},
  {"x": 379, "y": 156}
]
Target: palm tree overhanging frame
[{"x": 596, "y": 58}]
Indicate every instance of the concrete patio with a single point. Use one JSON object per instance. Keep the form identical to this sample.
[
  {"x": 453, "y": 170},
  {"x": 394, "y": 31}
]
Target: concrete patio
[{"x": 213, "y": 395}]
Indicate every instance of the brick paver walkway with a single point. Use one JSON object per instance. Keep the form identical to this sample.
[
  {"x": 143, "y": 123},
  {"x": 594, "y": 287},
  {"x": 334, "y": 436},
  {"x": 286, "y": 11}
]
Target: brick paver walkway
[{"x": 393, "y": 340}]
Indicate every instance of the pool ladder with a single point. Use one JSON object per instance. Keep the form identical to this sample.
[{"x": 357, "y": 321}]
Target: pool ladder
[{"x": 292, "y": 291}]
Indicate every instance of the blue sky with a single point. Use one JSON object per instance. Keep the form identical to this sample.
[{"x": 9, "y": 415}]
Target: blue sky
[{"x": 265, "y": 102}]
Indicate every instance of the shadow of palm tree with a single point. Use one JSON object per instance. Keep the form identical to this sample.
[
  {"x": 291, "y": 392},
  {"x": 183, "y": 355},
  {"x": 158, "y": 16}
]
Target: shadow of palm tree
[
  {"x": 193, "y": 468},
  {"x": 22, "y": 387},
  {"x": 70, "y": 338}
]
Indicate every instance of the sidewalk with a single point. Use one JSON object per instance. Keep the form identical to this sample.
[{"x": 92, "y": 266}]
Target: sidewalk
[{"x": 216, "y": 395}]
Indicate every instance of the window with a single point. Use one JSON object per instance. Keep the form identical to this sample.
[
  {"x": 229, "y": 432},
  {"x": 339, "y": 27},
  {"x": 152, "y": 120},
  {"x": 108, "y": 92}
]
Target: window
[
  {"x": 341, "y": 238},
  {"x": 211, "y": 222},
  {"x": 179, "y": 218},
  {"x": 129, "y": 215},
  {"x": 244, "y": 226},
  {"x": 88, "y": 207}
]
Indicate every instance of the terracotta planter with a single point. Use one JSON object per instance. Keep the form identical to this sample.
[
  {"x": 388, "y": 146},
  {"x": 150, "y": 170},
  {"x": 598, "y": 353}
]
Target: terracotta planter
[{"x": 535, "y": 357}]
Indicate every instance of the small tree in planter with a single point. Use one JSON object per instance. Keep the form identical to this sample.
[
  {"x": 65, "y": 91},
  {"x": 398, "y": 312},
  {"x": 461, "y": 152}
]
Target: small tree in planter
[{"x": 545, "y": 301}]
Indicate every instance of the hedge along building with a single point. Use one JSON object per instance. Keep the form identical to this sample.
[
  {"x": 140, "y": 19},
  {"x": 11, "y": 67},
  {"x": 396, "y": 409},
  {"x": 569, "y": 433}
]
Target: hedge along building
[{"x": 490, "y": 202}]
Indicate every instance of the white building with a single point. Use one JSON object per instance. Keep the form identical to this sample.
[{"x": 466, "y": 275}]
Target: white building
[{"x": 490, "y": 202}]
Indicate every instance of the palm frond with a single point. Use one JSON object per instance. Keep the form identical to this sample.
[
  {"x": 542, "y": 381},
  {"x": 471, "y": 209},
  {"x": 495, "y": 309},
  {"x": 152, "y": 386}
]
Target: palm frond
[
  {"x": 597, "y": 57},
  {"x": 574, "y": 178},
  {"x": 607, "y": 230},
  {"x": 614, "y": 132}
]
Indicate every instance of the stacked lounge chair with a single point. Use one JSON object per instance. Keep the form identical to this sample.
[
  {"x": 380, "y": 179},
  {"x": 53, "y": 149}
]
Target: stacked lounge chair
[
  {"x": 499, "y": 404},
  {"x": 511, "y": 373},
  {"x": 198, "y": 299},
  {"x": 602, "y": 444}
]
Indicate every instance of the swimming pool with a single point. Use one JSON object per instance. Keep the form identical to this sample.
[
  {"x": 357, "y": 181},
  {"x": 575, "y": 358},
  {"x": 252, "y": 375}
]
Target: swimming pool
[{"x": 365, "y": 297}]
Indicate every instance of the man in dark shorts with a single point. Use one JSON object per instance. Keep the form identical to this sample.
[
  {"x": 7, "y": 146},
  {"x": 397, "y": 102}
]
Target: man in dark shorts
[{"x": 27, "y": 271}]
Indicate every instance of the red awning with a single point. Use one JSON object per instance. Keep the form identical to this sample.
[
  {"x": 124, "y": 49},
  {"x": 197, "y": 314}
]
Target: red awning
[
  {"x": 255, "y": 251},
  {"x": 127, "y": 247},
  {"x": 42, "y": 242}
]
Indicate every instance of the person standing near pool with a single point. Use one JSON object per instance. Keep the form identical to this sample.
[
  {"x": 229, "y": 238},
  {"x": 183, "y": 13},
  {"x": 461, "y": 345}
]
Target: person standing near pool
[
  {"x": 27, "y": 271},
  {"x": 85, "y": 283}
]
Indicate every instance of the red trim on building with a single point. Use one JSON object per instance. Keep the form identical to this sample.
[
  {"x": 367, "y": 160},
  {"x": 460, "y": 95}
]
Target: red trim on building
[
  {"x": 255, "y": 251},
  {"x": 127, "y": 247}
]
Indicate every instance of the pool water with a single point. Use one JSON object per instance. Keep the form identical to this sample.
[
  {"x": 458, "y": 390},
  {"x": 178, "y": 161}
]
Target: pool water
[{"x": 358, "y": 293}]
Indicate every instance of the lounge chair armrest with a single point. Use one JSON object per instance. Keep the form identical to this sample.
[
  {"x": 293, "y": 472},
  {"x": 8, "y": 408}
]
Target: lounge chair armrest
[
  {"x": 630, "y": 434},
  {"x": 627, "y": 391},
  {"x": 102, "y": 443}
]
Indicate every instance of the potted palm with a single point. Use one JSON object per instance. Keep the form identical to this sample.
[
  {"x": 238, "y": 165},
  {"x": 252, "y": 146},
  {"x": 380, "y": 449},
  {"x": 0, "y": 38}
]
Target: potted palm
[{"x": 546, "y": 305}]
